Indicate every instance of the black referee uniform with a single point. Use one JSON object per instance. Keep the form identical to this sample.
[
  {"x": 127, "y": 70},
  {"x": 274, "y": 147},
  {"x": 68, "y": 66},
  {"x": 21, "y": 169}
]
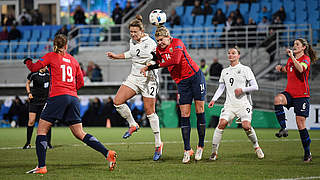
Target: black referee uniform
[{"x": 40, "y": 92}]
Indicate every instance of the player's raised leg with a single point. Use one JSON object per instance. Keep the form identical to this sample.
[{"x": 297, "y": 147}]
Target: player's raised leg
[
  {"x": 124, "y": 93},
  {"x": 94, "y": 143}
]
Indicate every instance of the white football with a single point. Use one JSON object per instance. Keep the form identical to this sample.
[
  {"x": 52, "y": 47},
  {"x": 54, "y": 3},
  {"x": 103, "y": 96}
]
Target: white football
[{"x": 157, "y": 17}]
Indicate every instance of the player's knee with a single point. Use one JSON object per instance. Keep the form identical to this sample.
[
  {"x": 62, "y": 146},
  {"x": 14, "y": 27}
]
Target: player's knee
[
  {"x": 222, "y": 124},
  {"x": 31, "y": 122}
]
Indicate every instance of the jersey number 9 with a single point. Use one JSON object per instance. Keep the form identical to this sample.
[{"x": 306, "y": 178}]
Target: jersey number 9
[{"x": 66, "y": 72}]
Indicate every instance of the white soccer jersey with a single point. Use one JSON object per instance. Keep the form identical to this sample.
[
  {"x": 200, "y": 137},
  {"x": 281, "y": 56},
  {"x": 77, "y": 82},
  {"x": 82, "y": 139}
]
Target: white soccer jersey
[
  {"x": 233, "y": 78},
  {"x": 140, "y": 54}
]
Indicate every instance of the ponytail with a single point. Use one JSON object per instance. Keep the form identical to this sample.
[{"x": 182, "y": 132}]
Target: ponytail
[{"x": 308, "y": 50}]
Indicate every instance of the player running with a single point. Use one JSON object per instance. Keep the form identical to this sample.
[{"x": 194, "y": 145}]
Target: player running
[
  {"x": 37, "y": 95},
  {"x": 172, "y": 54},
  {"x": 297, "y": 92},
  {"x": 141, "y": 46},
  {"x": 63, "y": 102},
  {"x": 238, "y": 101}
]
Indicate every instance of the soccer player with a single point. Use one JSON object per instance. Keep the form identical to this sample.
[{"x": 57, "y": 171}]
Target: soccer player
[
  {"x": 37, "y": 95},
  {"x": 172, "y": 54},
  {"x": 141, "y": 46},
  {"x": 297, "y": 92},
  {"x": 63, "y": 103},
  {"x": 238, "y": 101}
]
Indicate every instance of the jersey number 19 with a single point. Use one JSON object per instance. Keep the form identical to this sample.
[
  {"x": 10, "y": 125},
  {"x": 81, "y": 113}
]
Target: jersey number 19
[{"x": 66, "y": 72}]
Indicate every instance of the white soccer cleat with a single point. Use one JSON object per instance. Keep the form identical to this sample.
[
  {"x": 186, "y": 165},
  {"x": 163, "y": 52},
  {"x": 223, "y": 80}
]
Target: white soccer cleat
[
  {"x": 186, "y": 156},
  {"x": 214, "y": 156},
  {"x": 259, "y": 152},
  {"x": 199, "y": 152}
]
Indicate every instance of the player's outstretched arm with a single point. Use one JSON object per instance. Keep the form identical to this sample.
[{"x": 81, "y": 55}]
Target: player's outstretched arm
[
  {"x": 115, "y": 56},
  {"x": 33, "y": 67},
  {"x": 217, "y": 94}
]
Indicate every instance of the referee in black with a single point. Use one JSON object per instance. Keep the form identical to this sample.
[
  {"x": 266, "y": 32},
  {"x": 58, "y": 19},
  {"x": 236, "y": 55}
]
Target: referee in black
[{"x": 38, "y": 95}]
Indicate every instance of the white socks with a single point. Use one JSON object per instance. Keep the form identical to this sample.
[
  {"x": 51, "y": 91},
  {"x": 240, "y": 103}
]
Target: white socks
[
  {"x": 154, "y": 123},
  {"x": 253, "y": 137},
  {"x": 125, "y": 112},
  {"x": 217, "y": 136}
]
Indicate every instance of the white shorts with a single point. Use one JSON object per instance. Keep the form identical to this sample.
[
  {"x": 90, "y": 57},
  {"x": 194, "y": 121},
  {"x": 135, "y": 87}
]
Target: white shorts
[
  {"x": 147, "y": 87},
  {"x": 243, "y": 112}
]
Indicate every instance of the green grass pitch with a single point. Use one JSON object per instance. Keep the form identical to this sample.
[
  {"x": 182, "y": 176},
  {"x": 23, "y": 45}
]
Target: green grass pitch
[{"x": 71, "y": 159}]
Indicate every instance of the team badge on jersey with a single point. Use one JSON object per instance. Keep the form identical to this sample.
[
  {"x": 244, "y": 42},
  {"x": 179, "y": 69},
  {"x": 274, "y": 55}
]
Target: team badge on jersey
[
  {"x": 146, "y": 46},
  {"x": 170, "y": 49}
]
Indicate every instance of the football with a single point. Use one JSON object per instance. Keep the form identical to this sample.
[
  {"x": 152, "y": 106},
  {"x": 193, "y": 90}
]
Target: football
[{"x": 157, "y": 17}]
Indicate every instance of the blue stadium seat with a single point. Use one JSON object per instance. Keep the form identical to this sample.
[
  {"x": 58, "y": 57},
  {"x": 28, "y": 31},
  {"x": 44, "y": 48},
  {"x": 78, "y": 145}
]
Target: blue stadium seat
[
  {"x": 197, "y": 38},
  {"x": 244, "y": 8},
  {"x": 26, "y": 35},
  {"x": 289, "y": 5},
  {"x": 232, "y": 7},
  {"x": 199, "y": 21},
  {"x": 208, "y": 21},
  {"x": 265, "y": 4},
  {"x": 187, "y": 17},
  {"x": 222, "y": 6},
  {"x": 45, "y": 35},
  {"x": 179, "y": 11},
  {"x": 275, "y": 5},
  {"x": 85, "y": 33}
]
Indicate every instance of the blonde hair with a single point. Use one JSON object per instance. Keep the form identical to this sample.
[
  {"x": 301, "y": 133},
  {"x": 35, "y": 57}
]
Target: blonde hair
[
  {"x": 308, "y": 50},
  {"x": 59, "y": 42},
  {"x": 137, "y": 22},
  {"x": 162, "y": 31},
  {"x": 236, "y": 48}
]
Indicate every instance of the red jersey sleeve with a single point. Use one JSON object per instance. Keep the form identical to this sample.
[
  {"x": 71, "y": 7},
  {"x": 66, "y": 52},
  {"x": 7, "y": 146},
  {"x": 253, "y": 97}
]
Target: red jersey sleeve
[{"x": 42, "y": 62}]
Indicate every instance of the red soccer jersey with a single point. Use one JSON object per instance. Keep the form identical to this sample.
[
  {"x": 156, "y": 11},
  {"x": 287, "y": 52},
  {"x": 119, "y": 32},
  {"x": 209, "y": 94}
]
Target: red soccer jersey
[
  {"x": 65, "y": 73},
  {"x": 178, "y": 61},
  {"x": 297, "y": 83}
]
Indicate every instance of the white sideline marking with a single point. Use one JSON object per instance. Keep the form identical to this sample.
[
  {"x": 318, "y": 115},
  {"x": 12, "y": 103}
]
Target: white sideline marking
[
  {"x": 167, "y": 142},
  {"x": 301, "y": 178}
]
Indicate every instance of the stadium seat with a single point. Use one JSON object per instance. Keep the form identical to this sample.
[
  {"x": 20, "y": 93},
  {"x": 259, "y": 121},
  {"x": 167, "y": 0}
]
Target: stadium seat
[
  {"x": 289, "y": 5},
  {"x": 187, "y": 17},
  {"x": 199, "y": 21},
  {"x": 85, "y": 33},
  {"x": 232, "y": 7},
  {"x": 208, "y": 21},
  {"x": 275, "y": 5},
  {"x": 197, "y": 38},
  {"x": 244, "y": 8},
  {"x": 179, "y": 11}
]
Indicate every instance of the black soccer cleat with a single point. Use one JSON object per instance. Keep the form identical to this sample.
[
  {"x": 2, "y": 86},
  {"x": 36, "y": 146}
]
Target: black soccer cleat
[
  {"x": 282, "y": 133},
  {"x": 26, "y": 146},
  {"x": 307, "y": 158},
  {"x": 50, "y": 146}
]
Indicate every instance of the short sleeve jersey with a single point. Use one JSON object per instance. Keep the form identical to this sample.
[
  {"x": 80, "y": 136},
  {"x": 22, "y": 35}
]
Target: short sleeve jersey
[
  {"x": 66, "y": 75},
  {"x": 236, "y": 77},
  {"x": 185, "y": 68},
  {"x": 40, "y": 88},
  {"x": 140, "y": 54},
  {"x": 297, "y": 83}
]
